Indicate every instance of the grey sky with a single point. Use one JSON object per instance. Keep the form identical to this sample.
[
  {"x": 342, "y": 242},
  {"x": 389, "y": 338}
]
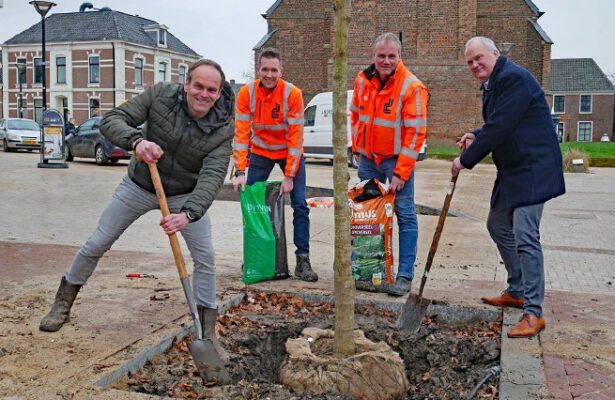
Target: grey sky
[
  {"x": 581, "y": 29},
  {"x": 227, "y": 30}
]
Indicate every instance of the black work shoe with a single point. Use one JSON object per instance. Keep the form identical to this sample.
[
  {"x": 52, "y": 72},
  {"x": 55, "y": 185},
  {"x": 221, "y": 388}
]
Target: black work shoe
[
  {"x": 303, "y": 269},
  {"x": 401, "y": 287}
]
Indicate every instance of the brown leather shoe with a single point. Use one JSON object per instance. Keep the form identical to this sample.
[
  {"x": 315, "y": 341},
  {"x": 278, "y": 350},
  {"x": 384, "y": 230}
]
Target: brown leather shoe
[
  {"x": 528, "y": 326},
  {"x": 503, "y": 300}
]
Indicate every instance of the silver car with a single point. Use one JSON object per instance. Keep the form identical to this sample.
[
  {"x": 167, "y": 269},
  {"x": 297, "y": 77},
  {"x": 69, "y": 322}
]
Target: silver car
[{"x": 20, "y": 133}]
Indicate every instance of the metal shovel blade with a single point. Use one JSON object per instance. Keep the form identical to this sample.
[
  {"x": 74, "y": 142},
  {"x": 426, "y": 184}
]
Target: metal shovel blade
[
  {"x": 412, "y": 313},
  {"x": 208, "y": 362}
]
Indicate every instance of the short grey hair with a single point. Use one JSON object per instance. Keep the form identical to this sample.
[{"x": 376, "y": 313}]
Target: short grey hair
[
  {"x": 386, "y": 37},
  {"x": 488, "y": 43}
]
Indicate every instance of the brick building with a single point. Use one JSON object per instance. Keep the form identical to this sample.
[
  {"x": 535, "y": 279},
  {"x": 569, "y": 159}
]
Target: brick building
[
  {"x": 1, "y": 88},
  {"x": 96, "y": 59},
  {"x": 433, "y": 34},
  {"x": 581, "y": 95}
]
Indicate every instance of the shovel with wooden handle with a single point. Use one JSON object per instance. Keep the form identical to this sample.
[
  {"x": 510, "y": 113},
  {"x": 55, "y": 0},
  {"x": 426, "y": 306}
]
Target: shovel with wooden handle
[
  {"x": 414, "y": 309},
  {"x": 207, "y": 360}
]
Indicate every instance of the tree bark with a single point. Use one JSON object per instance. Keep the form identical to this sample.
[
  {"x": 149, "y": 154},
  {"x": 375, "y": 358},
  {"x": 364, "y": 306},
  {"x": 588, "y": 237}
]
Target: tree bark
[{"x": 344, "y": 284}]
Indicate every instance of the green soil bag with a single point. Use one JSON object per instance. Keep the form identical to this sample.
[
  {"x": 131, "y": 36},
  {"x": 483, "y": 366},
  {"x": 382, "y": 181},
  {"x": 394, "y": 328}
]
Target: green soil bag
[{"x": 264, "y": 237}]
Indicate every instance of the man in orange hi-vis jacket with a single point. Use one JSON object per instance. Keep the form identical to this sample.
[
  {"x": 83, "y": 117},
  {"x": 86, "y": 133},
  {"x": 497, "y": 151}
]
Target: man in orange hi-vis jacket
[
  {"x": 269, "y": 123},
  {"x": 389, "y": 121}
]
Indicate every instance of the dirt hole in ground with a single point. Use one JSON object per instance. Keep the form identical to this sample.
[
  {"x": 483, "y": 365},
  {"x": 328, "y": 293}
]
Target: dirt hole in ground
[{"x": 442, "y": 361}]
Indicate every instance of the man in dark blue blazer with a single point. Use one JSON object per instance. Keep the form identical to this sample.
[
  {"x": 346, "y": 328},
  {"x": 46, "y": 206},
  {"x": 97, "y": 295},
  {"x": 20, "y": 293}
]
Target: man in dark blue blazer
[{"x": 520, "y": 135}]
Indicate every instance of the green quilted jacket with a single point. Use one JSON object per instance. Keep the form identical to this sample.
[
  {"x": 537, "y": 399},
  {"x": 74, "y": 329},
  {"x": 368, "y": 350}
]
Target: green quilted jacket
[{"x": 196, "y": 151}]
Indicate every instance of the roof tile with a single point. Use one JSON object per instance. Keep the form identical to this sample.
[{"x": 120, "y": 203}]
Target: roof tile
[
  {"x": 96, "y": 26},
  {"x": 578, "y": 75}
]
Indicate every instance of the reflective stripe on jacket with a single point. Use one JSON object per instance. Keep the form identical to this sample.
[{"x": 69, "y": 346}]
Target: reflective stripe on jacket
[
  {"x": 269, "y": 123},
  {"x": 390, "y": 121}
]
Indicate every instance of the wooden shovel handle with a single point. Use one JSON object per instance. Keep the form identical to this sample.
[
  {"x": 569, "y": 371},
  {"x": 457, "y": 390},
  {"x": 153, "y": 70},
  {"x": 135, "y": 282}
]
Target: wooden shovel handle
[
  {"x": 439, "y": 228},
  {"x": 438, "y": 233},
  {"x": 164, "y": 208}
]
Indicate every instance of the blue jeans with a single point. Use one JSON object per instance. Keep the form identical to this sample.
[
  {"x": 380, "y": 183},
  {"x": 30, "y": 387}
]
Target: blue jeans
[
  {"x": 404, "y": 210},
  {"x": 258, "y": 171},
  {"x": 128, "y": 203},
  {"x": 516, "y": 232}
]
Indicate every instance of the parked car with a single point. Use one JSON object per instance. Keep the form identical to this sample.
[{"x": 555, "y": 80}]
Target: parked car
[
  {"x": 88, "y": 142},
  {"x": 20, "y": 133},
  {"x": 318, "y": 129}
]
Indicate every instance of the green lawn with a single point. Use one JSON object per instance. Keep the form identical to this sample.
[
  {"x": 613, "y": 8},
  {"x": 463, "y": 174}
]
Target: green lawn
[
  {"x": 593, "y": 149},
  {"x": 600, "y": 153}
]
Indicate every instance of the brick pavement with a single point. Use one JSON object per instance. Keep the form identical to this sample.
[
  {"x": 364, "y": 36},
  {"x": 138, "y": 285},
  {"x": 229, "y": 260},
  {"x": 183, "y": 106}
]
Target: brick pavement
[{"x": 578, "y": 346}]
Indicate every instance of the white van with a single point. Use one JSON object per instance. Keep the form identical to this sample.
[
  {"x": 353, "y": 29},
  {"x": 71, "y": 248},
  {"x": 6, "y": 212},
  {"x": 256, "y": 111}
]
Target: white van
[{"x": 318, "y": 129}]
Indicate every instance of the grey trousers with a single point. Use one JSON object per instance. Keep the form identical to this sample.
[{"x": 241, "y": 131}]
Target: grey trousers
[
  {"x": 128, "y": 203},
  {"x": 516, "y": 232}
]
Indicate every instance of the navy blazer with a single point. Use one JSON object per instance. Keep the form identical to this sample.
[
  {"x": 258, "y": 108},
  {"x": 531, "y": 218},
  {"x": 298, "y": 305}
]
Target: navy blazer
[{"x": 520, "y": 134}]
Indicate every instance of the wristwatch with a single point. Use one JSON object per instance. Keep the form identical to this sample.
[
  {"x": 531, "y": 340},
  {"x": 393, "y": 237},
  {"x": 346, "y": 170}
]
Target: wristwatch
[
  {"x": 189, "y": 215},
  {"x": 239, "y": 173}
]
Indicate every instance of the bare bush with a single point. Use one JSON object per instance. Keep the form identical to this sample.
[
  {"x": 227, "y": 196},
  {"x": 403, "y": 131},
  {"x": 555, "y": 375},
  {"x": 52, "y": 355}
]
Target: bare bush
[{"x": 574, "y": 154}]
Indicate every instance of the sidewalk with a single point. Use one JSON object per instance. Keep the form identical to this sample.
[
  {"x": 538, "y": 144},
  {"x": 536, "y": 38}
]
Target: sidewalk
[{"x": 48, "y": 214}]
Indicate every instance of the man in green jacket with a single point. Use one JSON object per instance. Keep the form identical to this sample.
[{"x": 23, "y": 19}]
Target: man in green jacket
[{"x": 188, "y": 133}]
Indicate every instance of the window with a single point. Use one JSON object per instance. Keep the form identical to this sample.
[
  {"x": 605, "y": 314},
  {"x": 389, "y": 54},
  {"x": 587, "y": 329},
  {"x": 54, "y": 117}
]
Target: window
[
  {"x": 309, "y": 116},
  {"x": 39, "y": 68},
  {"x": 162, "y": 38},
  {"x": 560, "y": 132},
  {"x": 585, "y": 105},
  {"x": 38, "y": 110},
  {"x": 182, "y": 74},
  {"x": 585, "y": 132},
  {"x": 558, "y": 104},
  {"x": 61, "y": 69},
  {"x": 94, "y": 69},
  {"x": 86, "y": 126},
  {"x": 162, "y": 71},
  {"x": 21, "y": 74},
  {"x": 94, "y": 107},
  {"x": 22, "y": 106},
  {"x": 22, "y": 125},
  {"x": 138, "y": 72}
]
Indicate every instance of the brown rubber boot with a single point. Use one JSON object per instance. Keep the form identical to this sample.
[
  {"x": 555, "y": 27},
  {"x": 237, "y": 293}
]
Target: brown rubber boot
[
  {"x": 303, "y": 269},
  {"x": 208, "y": 318},
  {"x": 60, "y": 312}
]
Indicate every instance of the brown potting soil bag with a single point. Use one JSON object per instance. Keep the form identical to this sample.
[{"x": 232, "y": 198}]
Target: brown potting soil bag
[{"x": 371, "y": 226}]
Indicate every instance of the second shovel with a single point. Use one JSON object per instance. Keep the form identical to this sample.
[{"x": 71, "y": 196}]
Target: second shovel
[{"x": 414, "y": 309}]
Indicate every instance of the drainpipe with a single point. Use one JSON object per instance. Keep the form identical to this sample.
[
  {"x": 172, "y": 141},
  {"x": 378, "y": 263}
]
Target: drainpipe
[{"x": 114, "y": 88}]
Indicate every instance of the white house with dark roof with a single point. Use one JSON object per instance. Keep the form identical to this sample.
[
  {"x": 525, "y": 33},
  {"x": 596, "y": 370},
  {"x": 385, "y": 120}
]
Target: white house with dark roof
[
  {"x": 582, "y": 97},
  {"x": 96, "y": 60}
]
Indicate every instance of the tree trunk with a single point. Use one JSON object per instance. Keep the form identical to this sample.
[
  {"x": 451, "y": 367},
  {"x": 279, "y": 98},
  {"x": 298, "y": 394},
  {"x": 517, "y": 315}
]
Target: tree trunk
[{"x": 344, "y": 284}]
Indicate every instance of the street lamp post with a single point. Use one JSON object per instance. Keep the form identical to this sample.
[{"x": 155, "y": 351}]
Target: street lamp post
[
  {"x": 21, "y": 67},
  {"x": 43, "y": 7}
]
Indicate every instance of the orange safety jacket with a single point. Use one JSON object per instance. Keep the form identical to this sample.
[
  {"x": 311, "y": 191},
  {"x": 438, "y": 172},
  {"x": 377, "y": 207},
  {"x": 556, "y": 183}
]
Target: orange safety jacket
[
  {"x": 269, "y": 123},
  {"x": 390, "y": 121}
]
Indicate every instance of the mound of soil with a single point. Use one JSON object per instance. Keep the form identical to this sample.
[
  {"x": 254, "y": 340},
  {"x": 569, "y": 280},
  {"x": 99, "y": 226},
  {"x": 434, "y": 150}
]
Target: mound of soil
[{"x": 441, "y": 361}]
